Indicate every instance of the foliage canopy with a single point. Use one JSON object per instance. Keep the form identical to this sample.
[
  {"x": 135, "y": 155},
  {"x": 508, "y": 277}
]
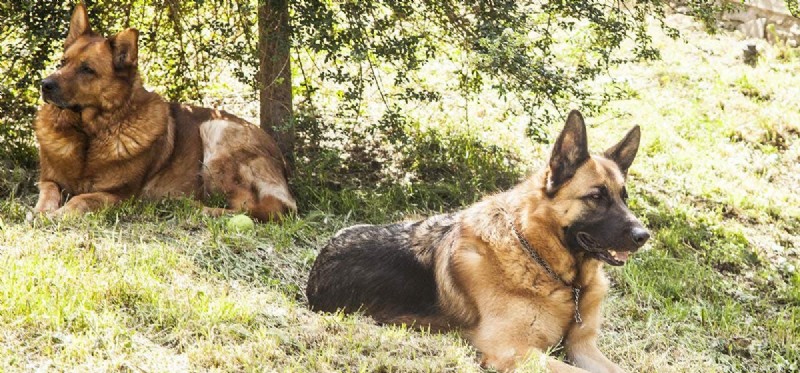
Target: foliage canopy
[{"x": 539, "y": 53}]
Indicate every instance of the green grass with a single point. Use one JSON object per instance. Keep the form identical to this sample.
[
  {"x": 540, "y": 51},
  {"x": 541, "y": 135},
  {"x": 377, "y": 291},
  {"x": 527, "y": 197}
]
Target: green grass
[{"x": 159, "y": 287}]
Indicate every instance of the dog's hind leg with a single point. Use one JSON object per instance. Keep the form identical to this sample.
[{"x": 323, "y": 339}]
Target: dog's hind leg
[
  {"x": 265, "y": 198},
  {"x": 237, "y": 164},
  {"x": 261, "y": 206}
]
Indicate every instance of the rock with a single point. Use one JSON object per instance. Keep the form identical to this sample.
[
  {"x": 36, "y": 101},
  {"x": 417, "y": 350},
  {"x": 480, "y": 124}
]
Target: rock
[
  {"x": 754, "y": 28},
  {"x": 750, "y": 55},
  {"x": 752, "y": 16}
]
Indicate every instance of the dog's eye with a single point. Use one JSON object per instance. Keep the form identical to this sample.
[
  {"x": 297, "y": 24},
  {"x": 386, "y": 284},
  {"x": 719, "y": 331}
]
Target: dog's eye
[
  {"x": 598, "y": 195},
  {"x": 62, "y": 63},
  {"x": 86, "y": 69}
]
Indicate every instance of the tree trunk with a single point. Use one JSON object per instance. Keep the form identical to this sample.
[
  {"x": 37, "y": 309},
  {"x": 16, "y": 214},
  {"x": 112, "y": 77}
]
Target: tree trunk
[{"x": 275, "y": 74}]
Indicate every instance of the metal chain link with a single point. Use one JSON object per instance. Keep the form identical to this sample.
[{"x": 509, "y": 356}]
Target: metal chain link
[{"x": 576, "y": 290}]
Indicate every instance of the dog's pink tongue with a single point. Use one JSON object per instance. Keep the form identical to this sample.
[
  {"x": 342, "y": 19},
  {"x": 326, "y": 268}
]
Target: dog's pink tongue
[{"x": 622, "y": 255}]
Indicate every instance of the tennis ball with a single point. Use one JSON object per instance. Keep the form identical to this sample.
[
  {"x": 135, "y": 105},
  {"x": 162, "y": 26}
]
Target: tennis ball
[{"x": 241, "y": 223}]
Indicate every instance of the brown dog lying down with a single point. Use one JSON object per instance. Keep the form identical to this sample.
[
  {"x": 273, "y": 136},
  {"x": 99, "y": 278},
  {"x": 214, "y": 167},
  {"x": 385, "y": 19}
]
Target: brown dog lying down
[
  {"x": 103, "y": 138},
  {"x": 517, "y": 273}
]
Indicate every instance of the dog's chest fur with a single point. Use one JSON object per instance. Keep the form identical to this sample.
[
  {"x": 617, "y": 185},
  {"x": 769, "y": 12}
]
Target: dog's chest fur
[{"x": 89, "y": 151}]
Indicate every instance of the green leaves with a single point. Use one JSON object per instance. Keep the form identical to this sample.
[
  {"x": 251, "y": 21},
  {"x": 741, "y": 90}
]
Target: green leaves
[{"x": 540, "y": 54}]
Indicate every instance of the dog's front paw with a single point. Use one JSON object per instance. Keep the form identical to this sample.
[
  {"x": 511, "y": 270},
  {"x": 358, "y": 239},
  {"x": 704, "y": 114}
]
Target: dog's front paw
[
  {"x": 497, "y": 363},
  {"x": 608, "y": 367},
  {"x": 594, "y": 362},
  {"x": 46, "y": 207},
  {"x": 40, "y": 211},
  {"x": 63, "y": 213},
  {"x": 614, "y": 368}
]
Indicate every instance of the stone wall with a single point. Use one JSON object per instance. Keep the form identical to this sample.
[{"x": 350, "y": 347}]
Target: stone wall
[{"x": 765, "y": 19}]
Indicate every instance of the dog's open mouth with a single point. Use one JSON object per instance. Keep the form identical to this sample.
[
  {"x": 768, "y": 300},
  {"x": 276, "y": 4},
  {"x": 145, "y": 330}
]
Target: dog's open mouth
[{"x": 613, "y": 257}]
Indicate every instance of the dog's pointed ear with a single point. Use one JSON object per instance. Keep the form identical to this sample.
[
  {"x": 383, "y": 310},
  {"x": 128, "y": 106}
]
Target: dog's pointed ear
[
  {"x": 125, "y": 49},
  {"x": 570, "y": 152},
  {"x": 78, "y": 25},
  {"x": 624, "y": 151}
]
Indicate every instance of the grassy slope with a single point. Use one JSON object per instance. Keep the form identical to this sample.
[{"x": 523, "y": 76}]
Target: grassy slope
[{"x": 161, "y": 288}]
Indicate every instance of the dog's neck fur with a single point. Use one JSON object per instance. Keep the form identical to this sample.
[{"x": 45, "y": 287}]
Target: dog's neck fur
[{"x": 574, "y": 268}]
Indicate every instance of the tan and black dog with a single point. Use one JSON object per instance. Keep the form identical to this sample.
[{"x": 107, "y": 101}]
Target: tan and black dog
[
  {"x": 516, "y": 274},
  {"x": 103, "y": 138}
]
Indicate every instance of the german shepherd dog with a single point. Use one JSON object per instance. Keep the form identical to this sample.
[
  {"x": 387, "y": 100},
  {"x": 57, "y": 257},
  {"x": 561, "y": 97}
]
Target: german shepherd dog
[
  {"x": 516, "y": 273},
  {"x": 103, "y": 138}
]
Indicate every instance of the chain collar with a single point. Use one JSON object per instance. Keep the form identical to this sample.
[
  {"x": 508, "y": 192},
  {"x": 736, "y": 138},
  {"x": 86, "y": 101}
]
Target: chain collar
[{"x": 576, "y": 290}]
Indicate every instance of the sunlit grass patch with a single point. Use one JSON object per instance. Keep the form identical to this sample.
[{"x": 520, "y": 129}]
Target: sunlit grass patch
[{"x": 131, "y": 287}]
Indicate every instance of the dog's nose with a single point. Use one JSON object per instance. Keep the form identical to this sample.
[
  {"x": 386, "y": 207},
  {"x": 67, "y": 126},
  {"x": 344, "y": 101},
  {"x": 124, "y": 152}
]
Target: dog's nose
[
  {"x": 640, "y": 235},
  {"x": 49, "y": 85}
]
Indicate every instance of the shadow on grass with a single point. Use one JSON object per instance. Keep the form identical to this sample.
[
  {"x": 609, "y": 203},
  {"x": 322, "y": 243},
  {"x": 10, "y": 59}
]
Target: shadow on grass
[{"x": 380, "y": 180}]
